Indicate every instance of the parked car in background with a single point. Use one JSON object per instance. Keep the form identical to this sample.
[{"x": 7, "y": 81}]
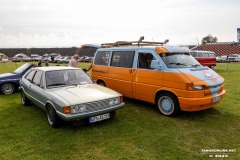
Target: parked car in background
[
  {"x": 87, "y": 59},
  {"x": 16, "y": 59},
  {"x": 221, "y": 59},
  {"x": 26, "y": 59},
  {"x": 20, "y": 57},
  {"x": 3, "y": 58},
  {"x": 205, "y": 58},
  {"x": 65, "y": 59},
  {"x": 35, "y": 57},
  {"x": 9, "y": 82},
  {"x": 68, "y": 94},
  {"x": 233, "y": 58},
  {"x": 56, "y": 59},
  {"x": 46, "y": 59}
]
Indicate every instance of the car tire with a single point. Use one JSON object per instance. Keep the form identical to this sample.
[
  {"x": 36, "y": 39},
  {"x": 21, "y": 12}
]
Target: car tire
[
  {"x": 52, "y": 117},
  {"x": 25, "y": 101},
  {"x": 168, "y": 104},
  {"x": 7, "y": 88},
  {"x": 101, "y": 83}
]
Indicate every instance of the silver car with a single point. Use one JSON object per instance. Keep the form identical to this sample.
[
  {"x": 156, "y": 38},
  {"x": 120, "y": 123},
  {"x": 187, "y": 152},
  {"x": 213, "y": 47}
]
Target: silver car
[{"x": 68, "y": 94}]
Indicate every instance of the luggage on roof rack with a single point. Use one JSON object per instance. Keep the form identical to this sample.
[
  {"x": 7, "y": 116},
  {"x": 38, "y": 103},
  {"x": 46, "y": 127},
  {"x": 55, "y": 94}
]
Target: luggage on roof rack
[
  {"x": 130, "y": 43},
  {"x": 140, "y": 42}
]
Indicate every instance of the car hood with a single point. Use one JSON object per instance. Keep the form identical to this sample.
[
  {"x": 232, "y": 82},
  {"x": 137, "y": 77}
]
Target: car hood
[
  {"x": 200, "y": 75},
  {"x": 7, "y": 75},
  {"x": 85, "y": 93}
]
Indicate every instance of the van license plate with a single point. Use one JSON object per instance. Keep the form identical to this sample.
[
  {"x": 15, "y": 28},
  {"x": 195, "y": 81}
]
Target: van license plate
[
  {"x": 99, "y": 118},
  {"x": 215, "y": 99}
]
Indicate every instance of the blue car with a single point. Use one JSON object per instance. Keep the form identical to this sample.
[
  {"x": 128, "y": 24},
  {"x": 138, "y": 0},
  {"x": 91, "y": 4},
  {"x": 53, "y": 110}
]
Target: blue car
[{"x": 9, "y": 82}]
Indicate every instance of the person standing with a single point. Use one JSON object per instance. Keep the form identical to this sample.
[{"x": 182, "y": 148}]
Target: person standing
[{"x": 73, "y": 61}]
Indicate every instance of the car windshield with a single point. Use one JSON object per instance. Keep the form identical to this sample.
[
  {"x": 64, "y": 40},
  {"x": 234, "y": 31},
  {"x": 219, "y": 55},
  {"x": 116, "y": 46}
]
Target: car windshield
[
  {"x": 179, "y": 60},
  {"x": 60, "y": 78},
  {"x": 22, "y": 68}
]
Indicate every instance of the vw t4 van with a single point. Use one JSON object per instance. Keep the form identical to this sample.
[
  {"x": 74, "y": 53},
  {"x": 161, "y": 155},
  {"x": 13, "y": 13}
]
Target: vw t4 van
[{"x": 165, "y": 75}]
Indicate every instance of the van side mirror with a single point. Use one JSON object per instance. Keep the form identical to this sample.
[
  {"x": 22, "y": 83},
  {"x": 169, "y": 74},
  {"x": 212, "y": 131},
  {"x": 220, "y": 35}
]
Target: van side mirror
[{"x": 155, "y": 65}]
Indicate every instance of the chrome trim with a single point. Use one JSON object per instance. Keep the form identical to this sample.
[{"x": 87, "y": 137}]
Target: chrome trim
[
  {"x": 69, "y": 117},
  {"x": 35, "y": 98}
]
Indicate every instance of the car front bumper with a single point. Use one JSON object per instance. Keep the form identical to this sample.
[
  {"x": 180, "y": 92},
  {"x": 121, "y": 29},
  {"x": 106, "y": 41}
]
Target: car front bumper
[{"x": 72, "y": 117}]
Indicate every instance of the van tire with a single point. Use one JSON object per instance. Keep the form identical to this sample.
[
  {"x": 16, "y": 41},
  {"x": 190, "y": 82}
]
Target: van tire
[
  {"x": 101, "y": 83},
  {"x": 168, "y": 104}
]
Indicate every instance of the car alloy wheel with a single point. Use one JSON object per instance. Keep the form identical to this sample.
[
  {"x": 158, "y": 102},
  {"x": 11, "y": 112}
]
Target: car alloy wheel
[{"x": 7, "y": 88}]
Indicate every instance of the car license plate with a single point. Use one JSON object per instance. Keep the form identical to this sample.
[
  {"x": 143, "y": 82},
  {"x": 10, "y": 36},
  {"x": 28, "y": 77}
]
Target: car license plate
[
  {"x": 215, "y": 99},
  {"x": 99, "y": 118}
]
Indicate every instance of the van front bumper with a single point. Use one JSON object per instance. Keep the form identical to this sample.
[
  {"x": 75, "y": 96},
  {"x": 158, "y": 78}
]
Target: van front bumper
[{"x": 197, "y": 104}]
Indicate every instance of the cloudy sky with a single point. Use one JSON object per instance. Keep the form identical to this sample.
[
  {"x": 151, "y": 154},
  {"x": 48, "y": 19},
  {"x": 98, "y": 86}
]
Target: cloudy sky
[{"x": 66, "y": 23}]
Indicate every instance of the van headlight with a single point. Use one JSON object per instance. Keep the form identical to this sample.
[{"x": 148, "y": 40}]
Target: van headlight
[
  {"x": 198, "y": 87},
  {"x": 192, "y": 87}
]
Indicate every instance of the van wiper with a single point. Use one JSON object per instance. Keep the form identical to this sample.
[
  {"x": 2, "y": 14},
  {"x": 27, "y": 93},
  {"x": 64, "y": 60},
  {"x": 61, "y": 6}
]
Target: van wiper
[
  {"x": 196, "y": 65},
  {"x": 179, "y": 64}
]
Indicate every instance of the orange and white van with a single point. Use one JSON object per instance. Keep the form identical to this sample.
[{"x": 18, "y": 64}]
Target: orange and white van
[{"x": 164, "y": 75}]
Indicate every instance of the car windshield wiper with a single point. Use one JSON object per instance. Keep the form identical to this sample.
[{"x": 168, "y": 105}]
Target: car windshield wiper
[
  {"x": 56, "y": 84},
  {"x": 179, "y": 64}
]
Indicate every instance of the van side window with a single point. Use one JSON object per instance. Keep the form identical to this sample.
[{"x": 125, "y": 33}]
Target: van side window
[
  {"x": 102, "y": 58},
  {"x": 200, "y": 54},
  {"x": 144, "y": 60},
  {"x": 205, "y": 54},
  {"x": 122, "y": 59},
  {"x": 194, "y": 54}
]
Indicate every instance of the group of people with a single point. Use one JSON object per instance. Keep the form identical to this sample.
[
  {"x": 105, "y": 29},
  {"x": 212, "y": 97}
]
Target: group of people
[{"x": 73, "y": 62}]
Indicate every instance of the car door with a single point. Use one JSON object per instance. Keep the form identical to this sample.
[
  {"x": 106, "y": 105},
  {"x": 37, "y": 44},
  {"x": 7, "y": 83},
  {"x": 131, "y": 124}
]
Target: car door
[
  {"x": 27, "y": 85},
  {"x": 120, "y": 75},
  {"x": 37, "y": 91},
  {"x": 146, "y": 80}
]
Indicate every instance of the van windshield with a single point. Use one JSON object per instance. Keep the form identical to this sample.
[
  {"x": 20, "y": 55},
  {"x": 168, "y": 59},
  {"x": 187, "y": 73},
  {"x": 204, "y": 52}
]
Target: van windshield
[{"x": 179, "y": 60}]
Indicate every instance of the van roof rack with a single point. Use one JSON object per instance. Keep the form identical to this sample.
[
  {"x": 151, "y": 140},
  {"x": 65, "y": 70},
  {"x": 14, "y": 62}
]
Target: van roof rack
[{"x": 140, "y": 42}]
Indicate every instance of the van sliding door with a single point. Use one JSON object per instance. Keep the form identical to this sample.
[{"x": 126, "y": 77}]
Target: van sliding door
[{"x": 120, "y": 72}]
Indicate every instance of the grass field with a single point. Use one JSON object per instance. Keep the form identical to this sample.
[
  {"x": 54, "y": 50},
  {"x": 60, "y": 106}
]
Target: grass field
[{"x": 138, "y": 131}]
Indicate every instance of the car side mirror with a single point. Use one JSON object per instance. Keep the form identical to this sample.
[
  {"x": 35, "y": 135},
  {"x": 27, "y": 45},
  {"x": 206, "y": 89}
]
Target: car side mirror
[{"x": 156, "y": 65}]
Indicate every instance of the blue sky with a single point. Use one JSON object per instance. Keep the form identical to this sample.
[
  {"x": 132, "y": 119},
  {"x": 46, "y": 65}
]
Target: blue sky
[{"x": 66, "y": 23}]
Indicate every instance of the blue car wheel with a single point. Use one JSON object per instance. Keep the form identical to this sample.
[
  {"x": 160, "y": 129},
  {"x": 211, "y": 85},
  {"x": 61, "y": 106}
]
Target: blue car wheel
[{"x": 7, "y": 88}]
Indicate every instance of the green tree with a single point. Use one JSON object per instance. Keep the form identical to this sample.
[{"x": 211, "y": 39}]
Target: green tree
[{"x": 208, "y": 39}]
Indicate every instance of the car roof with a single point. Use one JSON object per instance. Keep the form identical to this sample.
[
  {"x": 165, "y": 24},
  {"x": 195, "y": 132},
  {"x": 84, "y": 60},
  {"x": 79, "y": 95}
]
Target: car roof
[{"x": 54, "y": 68}]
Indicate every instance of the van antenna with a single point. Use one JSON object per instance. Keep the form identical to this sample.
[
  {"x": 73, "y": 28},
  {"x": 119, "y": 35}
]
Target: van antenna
[{"x": 140, "y": 40}]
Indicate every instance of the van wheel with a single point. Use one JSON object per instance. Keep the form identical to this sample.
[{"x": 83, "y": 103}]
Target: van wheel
[
  {"x": 7, "y": 88},
  {"x": 52, "y": 117},
  {"x": 101, "y": 83},
  {"x": 168, "y": 104}
]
